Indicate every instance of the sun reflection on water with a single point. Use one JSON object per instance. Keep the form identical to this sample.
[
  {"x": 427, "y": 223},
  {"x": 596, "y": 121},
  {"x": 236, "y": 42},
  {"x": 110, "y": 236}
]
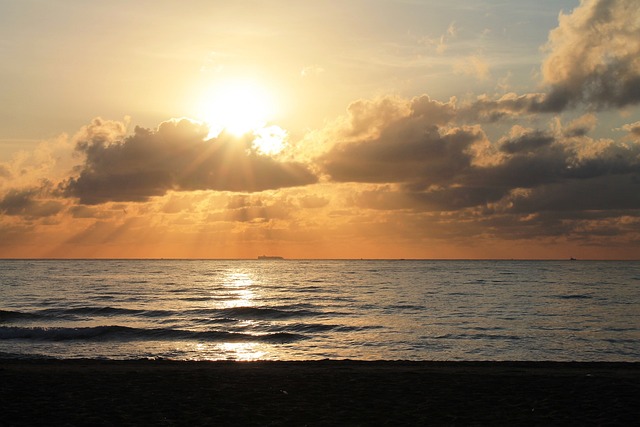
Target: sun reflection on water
[
  {"x": 239, "y": 288},
  {"x": 239, "y": 291},
  {"x": 240, "y": 351}
]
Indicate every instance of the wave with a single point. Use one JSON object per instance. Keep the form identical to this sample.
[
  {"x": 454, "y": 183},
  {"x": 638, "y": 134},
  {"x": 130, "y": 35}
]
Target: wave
[
  {"x": 213, "y": 314},
  {"x": 123, "y": 333},
  {"x": 75, "y": 313},
  {"x": 407, "y": 307},
  {"x": 578, "y": 296},
  {"x": 9, "y": 316},
  {"x": 104, "y": 311},
  {"x": 260, "y": 313},
  {"x": 480, "y": 336},
  {"x": 29, "y": 356},
  {"x": 318, "y": 327}
]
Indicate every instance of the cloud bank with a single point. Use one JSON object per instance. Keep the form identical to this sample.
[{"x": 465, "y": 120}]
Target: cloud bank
[{"x": 450, "y": 167}]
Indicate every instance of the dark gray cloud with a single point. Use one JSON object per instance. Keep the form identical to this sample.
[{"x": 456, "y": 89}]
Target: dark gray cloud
[
  {"x": 407, "y": 150},
  {"x": 15, "y": 202},
  {"x": 177, "y": 156},
  {"x": 604, "y": 192},
  {"x": 528, "y": 143},
  {"x": 440, "y": 199},
  {"x": 27, "y": 202}
]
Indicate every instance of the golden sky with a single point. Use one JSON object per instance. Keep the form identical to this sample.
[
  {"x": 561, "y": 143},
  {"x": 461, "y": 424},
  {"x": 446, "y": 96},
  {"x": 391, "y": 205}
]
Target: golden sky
[{"x": 335, "y": 129}]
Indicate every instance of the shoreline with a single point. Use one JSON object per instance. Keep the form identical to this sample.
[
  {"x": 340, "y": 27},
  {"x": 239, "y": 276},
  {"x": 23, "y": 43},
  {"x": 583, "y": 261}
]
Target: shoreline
[{"x": 323, "y": 392}]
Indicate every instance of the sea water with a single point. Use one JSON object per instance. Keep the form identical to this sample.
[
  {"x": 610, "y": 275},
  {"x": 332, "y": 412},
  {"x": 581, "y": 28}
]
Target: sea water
[{"x": 317, "y": 309}]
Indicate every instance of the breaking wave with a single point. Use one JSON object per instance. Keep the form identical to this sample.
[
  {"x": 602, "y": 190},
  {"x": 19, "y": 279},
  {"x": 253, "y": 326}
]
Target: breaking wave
[{"x": 123, "y": 333}]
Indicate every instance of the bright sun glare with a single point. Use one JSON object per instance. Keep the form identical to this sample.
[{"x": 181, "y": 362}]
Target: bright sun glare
[{"x": 239, "y": 107}]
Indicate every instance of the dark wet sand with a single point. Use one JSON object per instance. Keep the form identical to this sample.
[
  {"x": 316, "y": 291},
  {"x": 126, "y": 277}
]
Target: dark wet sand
[{"x": 88, "y": 392}]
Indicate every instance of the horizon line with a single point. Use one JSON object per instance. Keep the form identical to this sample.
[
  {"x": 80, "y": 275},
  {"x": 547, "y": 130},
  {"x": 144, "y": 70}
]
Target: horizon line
[{"x": 304, "y": 259}]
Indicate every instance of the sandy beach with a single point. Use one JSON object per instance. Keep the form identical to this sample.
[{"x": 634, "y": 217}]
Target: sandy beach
[{"x": 90, "y": 392}]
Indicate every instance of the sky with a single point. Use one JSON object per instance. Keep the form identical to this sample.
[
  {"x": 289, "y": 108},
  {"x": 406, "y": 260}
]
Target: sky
[{"x": 334, "y": 129}]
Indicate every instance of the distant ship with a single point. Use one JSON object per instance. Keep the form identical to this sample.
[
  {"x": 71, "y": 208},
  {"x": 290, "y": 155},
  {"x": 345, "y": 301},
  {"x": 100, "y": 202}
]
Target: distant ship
[{"x": 266, "y": 257}]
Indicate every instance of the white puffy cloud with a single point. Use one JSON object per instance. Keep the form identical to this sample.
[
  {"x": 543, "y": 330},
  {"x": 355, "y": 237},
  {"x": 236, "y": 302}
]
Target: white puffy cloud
[{"x": 594, "y": 55}]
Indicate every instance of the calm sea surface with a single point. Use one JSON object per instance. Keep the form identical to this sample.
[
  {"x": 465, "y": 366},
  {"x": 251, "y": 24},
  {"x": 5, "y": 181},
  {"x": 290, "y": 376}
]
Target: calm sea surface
[{"x": 290, "y": 310}]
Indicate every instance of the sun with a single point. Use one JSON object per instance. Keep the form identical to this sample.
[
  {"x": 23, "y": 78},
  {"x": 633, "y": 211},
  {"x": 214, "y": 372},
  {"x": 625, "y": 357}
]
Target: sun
[
  {"x": 240, "y": 107},
  {"x": 237, "y": 107}
]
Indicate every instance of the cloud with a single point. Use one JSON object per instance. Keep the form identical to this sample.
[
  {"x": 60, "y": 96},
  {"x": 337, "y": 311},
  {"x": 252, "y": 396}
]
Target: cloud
[
  {"x": 408, "y": 145},
  {"x": 594, "y": 56},
  {"x": 311, "y": 71},
  {"x": 589, "y": 194},
  {"x": 422, "y": 161},
  {"x": 26, "y": 202},
  {"x": 248, "y": 209},
  {"x": 510, "y": 105},
  {"x": 403, "y": 154},
  {"x": 313, "y": 201},
  {"x": 633, "y": 128},
  {"x": 440, "y": 43},
  {"x": 367, "y": 118},
  {"x": 580, "y": 126},
  {"x": 526, "y": 142},
  {"x": 177, "y": 156},
  {"x": 4, "y": 172},
  {"x": 50, "y": 161},
  {"x": 472, "y": 66},
  {"x": 82, "y": 211}
]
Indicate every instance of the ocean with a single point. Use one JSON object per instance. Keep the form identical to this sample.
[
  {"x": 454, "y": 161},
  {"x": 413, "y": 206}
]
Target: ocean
[{"x": 319, "y": 309}]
